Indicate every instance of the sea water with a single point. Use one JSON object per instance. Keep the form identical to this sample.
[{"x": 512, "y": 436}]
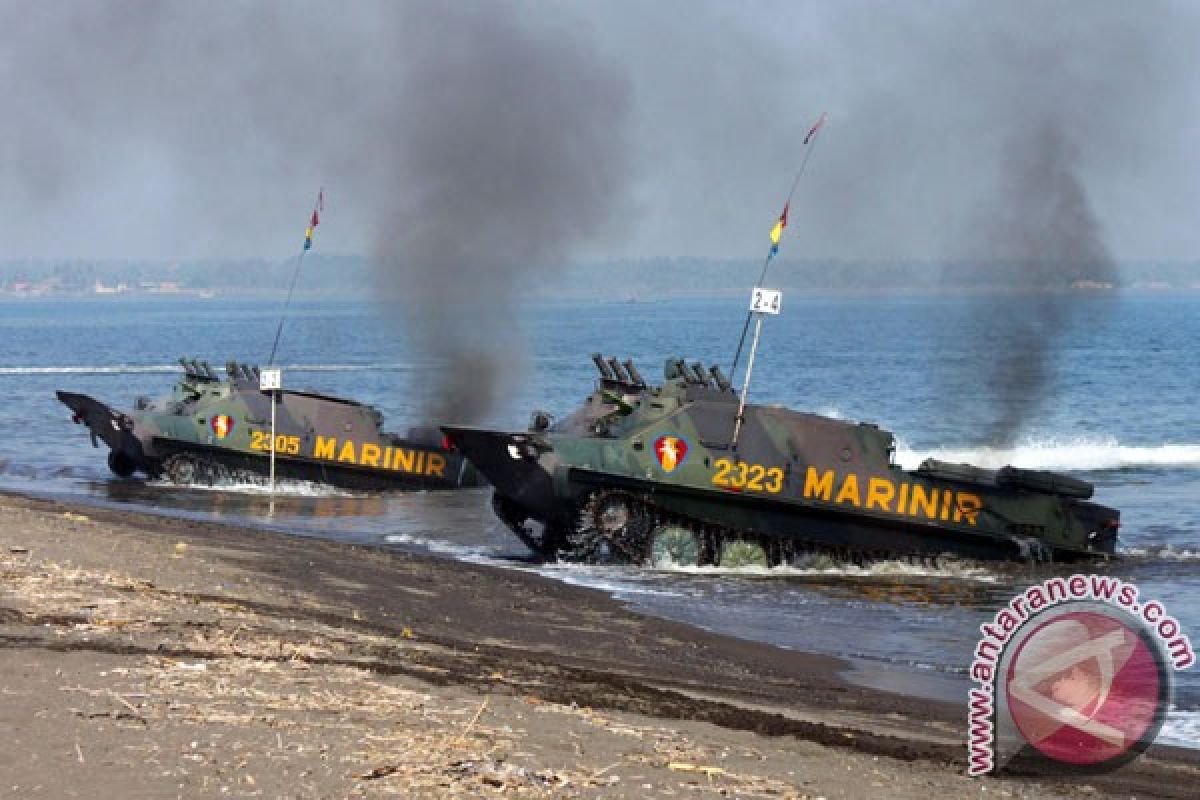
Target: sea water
[{"x": 1117, "y": 408}]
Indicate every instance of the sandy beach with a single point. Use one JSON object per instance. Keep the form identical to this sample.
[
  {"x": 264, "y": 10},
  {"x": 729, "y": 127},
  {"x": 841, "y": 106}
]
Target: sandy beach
[{"x": 147, "y": 656}]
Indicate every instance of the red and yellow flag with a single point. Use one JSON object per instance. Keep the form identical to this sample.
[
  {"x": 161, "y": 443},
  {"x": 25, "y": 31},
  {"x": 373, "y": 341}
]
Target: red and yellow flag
[
  {"x": 777, "y": 231},
  {"x": 314, "y": 220}
]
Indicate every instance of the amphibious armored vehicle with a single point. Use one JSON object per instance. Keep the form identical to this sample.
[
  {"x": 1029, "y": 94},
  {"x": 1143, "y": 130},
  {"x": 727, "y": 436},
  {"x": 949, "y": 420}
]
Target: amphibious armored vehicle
[
  {"x": 641, "y": 470},
  {"x": 213, "y": 428}
]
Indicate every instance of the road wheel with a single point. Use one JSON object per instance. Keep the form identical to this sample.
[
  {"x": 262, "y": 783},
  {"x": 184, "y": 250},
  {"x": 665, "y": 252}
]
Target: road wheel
[
  {"x": 190, "y": 471},
  {"x": 612, "y": 527},
  {"x": 674, "y": 545},
  {"x": 179, "y": 469}
]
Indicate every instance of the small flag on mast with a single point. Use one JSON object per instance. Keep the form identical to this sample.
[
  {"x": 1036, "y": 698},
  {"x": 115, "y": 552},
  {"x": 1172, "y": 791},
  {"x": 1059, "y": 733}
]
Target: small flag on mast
[
  {"x": 816, "y": 127},
  {"x": 777, "y": 231},
  {"x": 314, "y": 220}
]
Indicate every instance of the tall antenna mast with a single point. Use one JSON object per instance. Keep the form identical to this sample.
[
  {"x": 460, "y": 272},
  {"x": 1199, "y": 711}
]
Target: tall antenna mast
[
  {"x": 810, "y": 144},
  {"x": 314, "y": 220}
]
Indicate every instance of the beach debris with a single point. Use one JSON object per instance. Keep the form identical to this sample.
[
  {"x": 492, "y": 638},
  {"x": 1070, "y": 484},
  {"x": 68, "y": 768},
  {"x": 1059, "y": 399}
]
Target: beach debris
[
  {"x": 501, "y": 775},
  {"x": 467, "y": 730},
  {"x": 73, "y": 517},
  {"x": 380, "y": 772},
  {"x": 683, "y": 766},
  {"x": 180, "y": 550},
  {"x": 18, "y": 549}
]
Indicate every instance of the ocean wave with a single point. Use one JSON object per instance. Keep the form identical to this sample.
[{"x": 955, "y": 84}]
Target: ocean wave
[
  {"x": 1079, "y": 454},
  {"x": 1163, "y": 552}
]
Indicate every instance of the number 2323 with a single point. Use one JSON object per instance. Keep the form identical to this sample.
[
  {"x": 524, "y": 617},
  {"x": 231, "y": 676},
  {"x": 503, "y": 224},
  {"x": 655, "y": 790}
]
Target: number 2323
[{"x": 754, "y": 477}]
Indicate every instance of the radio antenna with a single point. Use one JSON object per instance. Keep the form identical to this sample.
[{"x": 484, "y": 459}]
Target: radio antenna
[
  {"x": 314, "y": 220},
  {"x": 810, "y": 144}
]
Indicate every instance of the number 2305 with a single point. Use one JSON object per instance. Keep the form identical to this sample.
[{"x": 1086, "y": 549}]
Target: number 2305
[
  {"x": 261, "y": 440},
  {"x": 754, "y": 477}
]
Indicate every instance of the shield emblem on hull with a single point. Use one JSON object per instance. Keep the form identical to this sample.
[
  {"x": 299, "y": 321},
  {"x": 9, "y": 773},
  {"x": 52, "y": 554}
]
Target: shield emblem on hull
[
  {"x": 671, "y": 451},
  {"x": 222, "y": 425}
]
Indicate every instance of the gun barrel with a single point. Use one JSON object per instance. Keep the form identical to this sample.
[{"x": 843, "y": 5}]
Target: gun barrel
[
  {"x": 633, "y": 372},
  {"x": 618, "y": 370},
  {"x": 605, "y": 372}
]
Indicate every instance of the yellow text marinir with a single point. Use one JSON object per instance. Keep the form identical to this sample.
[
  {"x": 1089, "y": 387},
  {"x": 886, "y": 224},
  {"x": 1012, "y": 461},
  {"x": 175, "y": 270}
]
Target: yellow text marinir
[
  {"x": 881, "y": 494},
  {"x": 368, "y": 454}
]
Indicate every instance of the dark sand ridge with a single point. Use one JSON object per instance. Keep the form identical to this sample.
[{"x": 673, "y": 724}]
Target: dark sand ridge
[{"x": 152, "y": 656}]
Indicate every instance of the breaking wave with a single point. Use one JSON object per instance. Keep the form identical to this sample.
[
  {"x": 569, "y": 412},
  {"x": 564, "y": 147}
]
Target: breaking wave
[{"x": 1079, "y": 454}]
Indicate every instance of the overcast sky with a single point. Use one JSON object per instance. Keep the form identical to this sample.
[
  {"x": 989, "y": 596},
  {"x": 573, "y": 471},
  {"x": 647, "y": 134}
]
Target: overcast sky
[{"x": 172, "y": 130}]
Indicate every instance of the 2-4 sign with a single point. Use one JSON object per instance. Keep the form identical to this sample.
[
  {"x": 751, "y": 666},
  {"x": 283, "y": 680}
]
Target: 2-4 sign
[
  {"x": 765, "y": 301},
  {"x": 270, "y": 380}
]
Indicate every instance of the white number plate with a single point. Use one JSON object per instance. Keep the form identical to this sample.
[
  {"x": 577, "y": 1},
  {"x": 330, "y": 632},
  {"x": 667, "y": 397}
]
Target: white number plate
[{"x": 765, "y": 301}]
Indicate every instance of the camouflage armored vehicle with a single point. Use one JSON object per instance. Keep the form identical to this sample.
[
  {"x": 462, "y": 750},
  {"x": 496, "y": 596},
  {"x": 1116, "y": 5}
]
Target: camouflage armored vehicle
[
  {"x": 213, "y": 428},
  {"x": 640, "y": 470}
]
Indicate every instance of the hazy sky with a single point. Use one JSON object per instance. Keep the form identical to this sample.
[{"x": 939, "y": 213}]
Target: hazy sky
[{"x": 172, "y": 130}]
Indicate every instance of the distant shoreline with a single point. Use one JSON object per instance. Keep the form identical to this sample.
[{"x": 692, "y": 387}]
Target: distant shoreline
[{"x": 612, "y": 298}]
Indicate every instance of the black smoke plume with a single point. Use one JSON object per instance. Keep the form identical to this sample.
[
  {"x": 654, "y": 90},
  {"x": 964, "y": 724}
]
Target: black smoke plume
[
  {"x": 1045, "y": 256},
  {"x": 473, "y": 147},
  {"x": 511, "y": 152}
]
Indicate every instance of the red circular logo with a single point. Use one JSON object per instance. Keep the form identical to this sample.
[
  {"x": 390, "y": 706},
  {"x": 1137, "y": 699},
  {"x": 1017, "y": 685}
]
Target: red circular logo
[{"x": 1086, "y": 687}]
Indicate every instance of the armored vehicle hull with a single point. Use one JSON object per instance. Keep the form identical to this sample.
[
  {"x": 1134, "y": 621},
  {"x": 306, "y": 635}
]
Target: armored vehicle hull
[
  {"x": 212, "y": 429},
  {"x": 642, "y": 470}
]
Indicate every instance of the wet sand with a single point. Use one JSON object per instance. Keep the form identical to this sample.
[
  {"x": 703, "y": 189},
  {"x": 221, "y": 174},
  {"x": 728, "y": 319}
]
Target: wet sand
[{"x": 155, "y": 657}]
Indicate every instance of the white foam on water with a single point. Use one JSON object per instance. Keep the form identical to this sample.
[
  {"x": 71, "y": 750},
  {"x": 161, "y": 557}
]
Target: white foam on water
[
  {"x": 1078, "y": 453},
  {"x": 822, "y": 568},
  {"x": 594, "y": 578},
  {"x": 1164, "y": 552},
  {"x": 1181, "y": 728},
  {"x": 469, "y": 554},
  {"x": 287, "y": 488}
]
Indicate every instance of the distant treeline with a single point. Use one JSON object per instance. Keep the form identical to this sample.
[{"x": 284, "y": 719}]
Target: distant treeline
[
  {"x": 321, "y": 272},
  {"x": 618, "y": 279}
]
